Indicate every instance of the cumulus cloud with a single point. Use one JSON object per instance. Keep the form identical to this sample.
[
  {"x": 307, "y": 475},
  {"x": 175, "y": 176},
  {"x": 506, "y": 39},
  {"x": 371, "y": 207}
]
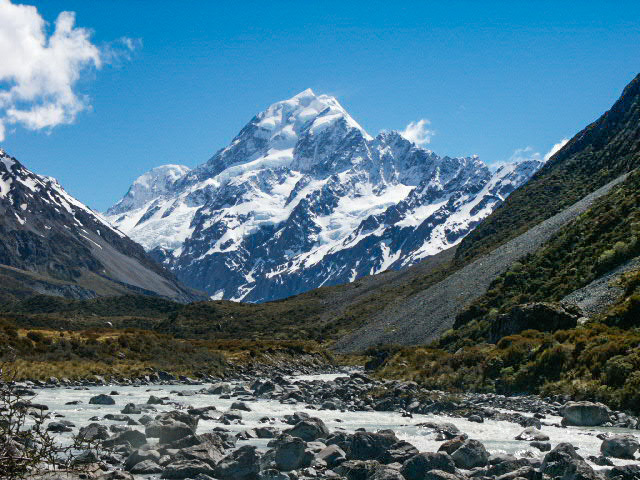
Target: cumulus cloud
[
  {"x": 528, "y": 153},
  {"x": 418, "y": 133},
  {"x": 38, "y": 71},
  {"x": 555, "y": 149}
]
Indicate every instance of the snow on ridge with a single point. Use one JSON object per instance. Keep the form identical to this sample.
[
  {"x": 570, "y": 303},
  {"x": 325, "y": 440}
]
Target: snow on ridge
[{"x": 304, "y": 197}]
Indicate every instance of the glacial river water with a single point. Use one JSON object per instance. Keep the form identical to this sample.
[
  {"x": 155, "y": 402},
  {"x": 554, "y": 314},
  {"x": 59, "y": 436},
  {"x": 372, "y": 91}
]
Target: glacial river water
[{"x": 498, "y": 437}]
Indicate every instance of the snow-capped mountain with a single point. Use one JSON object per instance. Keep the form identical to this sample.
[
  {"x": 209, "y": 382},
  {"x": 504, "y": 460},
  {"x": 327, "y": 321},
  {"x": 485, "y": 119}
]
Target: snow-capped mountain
[
  {"x": 304, "y": 197},
  {"x": 51, "y": 243}
]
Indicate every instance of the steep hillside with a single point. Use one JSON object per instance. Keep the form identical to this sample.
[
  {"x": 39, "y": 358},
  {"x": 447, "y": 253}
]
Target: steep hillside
[
  {"x": 601, "y": 152},
  {"x": 303, "y": 197},
  {"x": 50, "y": 243}
]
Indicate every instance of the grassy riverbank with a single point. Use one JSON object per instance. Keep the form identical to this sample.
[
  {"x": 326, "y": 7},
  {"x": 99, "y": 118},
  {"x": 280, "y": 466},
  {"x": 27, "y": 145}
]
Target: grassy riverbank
[{"x": 40, "y": 353}]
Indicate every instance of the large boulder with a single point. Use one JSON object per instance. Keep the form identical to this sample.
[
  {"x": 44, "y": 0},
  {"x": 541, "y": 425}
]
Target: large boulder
[
  {"x": 309, "y": 430},
  {"x": 470, "y": 455},
  {"x": 561, "y": 460},
  {"x": 358, "y": 469},
  {"x": 416, "y": 467},
  {"x": 292, "y": 454},
  {"x": 242, "y": 464},
  {"x": 186, "y": 469},
  {"x": 371, "y": 446},
  {"x": 102, "y": 399},
  {"x": 93, "y": 431},
  {"x": 333, "y": 455},
  {"x": 620, "y": 446},
  {"x": 171, "y": 426},
  {"x": 584, "y": 414},
  {"x": 133, "y": 437},
  {"x": 139, "y": 456},
  {"x": 146, "y": 467},
  {"x": 545, "y": 317}
]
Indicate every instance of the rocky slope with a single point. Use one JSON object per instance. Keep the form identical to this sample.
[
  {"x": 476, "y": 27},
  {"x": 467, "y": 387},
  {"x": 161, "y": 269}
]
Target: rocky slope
[
  {"x": 50, "y": 243},
  {"x": 535, "y": 221},
  {"x": 304, "y": 197}
]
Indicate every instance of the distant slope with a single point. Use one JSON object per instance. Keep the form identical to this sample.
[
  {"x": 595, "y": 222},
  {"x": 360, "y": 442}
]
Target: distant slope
[
  {"x": 429, "y": 313},
  {"x": 601, "y": 152},
  {"x": 51, "y": 243}
]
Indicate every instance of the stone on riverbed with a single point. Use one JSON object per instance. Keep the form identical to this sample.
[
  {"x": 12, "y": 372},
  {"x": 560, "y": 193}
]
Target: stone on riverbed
[
  {"x": 532, "y": 434},
  {"x": 292, "y": 454},
  {"x": 102, "y": 399},
  {"x": 132, "y": 437},
  {"x": 416, "y": 467},
  {"x": 186, "y": 469},
  {"x": 93, "y": 431},
  {"x": 309, "y": 430},
  {"x": 584, "y": 414},
  {"x": 61, "y": 426},
  {"x": 242, "y": 464},
  {"x": 620, "y": 446},
  {"x": 470, "y": 454},
  {"x": 371, "y": 446},
  {"x": 146, "y": 467},
  {"x": 333, "y": 455}
]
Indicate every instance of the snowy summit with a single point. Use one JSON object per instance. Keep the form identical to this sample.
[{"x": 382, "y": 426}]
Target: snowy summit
[{"x": 303, "y": 197}]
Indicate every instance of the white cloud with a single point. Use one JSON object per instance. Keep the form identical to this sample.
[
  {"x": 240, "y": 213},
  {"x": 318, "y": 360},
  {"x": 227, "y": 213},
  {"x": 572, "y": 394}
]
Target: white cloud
[
  {"x": 555, "y": 149},
  {"x": 418, "y": 133},
  {"x": 38, "y": 71},
  {"x": 528, "y": 153},
  {"x": 523, "y": 154}
]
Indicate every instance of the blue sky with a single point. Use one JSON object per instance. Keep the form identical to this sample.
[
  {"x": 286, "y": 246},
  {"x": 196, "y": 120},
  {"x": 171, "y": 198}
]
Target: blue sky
[{"x": 491, "y": 77}]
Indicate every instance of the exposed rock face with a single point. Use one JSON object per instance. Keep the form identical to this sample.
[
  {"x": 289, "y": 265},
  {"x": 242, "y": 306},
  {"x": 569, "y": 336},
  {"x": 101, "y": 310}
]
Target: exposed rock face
[
  {"x": 303, "y": 196},
  {"x": 584, "y": 414},
  {"x": 545, "y": 317}
]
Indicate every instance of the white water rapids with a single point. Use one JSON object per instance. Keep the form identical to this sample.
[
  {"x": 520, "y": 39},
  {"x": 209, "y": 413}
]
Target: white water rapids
[{"x": 498, "y": 437}]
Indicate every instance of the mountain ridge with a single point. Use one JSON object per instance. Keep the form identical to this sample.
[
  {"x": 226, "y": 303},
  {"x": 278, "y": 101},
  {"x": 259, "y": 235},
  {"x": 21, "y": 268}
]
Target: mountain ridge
[
  {"x": 52, "y": 243},
  {"x": 304, "y": 197}
]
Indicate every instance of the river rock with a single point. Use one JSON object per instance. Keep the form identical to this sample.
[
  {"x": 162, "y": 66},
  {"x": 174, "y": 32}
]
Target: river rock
[
  {"x": 416, "y": 467},
  {"x": 440, "y": 475},
  {"x": 471, "y": 454},
  {"x": 357, "y": 469},
  {"x": 93, "y": 431},
  {"x": 371, "y": 446},
  {"x": 387, "y": 473},
  {"x": 139, "y": 456},
  {"x": 186, "y": 469},
  {"x": 240, "y": 406},
  {"x": 532, "y": 434},
  {"x": 133, "y": 437},
  {"x": 131, "y": 409},
  {"x": 584, "y": 414},
  {"x": 60, "y": 427},
  {"x": 145, "y": 467},
  {"x": 292, "y": 454},
  {"x": 242, "y": 464},
  {"x": 558, "y": 461},
  {"x": 624, "y": 472},
  {"x": 542, "y": 446},
  {"x": 309, "y": 430},
  {"x": 102, "y": 399},
  {"x": 333, "y": 455},
  {"x": 620, "y": 446}
]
